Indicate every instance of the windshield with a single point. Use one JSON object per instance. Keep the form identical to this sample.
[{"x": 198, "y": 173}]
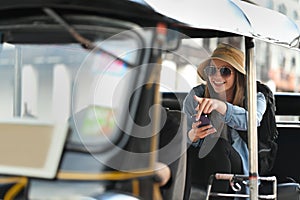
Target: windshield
[{"x": 60, "y": 82}]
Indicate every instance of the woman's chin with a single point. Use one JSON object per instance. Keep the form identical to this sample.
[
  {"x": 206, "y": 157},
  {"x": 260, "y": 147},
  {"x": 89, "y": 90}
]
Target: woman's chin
[{"x": 219, "y": 89}]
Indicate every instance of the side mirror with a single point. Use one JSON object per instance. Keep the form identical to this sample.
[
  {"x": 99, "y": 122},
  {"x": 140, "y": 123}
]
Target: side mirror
[{"x": 173, "y": 40}]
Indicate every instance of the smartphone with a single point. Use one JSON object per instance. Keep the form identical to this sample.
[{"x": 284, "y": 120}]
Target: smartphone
[{"x": 203, "y": 118}]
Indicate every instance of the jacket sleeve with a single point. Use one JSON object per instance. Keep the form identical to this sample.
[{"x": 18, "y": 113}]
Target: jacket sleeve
[
  {"x": 237, "y": 117},
  {"x": 189, "y": 105}
]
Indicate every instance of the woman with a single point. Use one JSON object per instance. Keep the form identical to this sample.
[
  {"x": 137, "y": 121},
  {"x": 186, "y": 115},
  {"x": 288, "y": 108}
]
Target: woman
[{"x": 222, "y": 149}]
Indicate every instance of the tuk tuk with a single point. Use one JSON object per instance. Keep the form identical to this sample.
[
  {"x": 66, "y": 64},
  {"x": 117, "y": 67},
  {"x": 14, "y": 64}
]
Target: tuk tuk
[
  {"x": 69, "y": 72},
  {"x": 82, "y": 109}
]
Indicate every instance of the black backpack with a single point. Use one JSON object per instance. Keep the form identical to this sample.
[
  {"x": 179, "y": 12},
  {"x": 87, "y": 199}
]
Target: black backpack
[{"x": 267, "y": 133}]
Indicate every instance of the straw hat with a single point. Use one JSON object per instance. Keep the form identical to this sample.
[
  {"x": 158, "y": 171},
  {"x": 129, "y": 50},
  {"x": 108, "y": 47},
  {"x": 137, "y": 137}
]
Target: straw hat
[{"x": 225, "y": 52}]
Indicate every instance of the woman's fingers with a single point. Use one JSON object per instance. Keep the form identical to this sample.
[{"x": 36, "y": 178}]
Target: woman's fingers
[
  {"x": 207, "y": 105},
  {"x": 199, "y": 100},
  {"x": 209, "y": 131},
  {"x": 202, "y": 103},
  {"x": 198, "y": 133},
  {"x": 204, "y": 131},
  {"x": 196, "y": 124}
]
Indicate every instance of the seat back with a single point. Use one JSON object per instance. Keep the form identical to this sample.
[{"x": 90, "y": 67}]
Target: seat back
[{"x": 172, "y": 151}]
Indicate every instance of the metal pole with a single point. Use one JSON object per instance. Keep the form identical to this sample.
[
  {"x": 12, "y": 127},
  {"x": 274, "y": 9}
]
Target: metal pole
[
  {"x": 252, "y": 127},
  {"x": 17, "y": 84}
]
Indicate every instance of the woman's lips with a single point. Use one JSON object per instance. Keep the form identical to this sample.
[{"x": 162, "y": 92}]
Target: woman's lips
[{"x": 219, "y": 83}]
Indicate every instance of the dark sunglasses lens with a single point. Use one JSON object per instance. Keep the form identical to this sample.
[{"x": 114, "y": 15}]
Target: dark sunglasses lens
[
  {"x": 210, "y": 71},
  {"x": 225, "y": 71}
]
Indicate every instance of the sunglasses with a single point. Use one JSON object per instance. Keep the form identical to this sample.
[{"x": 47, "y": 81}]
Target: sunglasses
[{"x": 212, "y": 70}]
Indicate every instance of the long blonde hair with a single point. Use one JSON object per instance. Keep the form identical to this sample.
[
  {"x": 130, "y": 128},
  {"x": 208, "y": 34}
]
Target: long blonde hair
[{"x": 239, "y": 90}]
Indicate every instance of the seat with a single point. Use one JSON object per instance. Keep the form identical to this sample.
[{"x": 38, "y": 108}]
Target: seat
[
  {"x": 172, "y": 151},
  {"x": 290, "y": 191}
]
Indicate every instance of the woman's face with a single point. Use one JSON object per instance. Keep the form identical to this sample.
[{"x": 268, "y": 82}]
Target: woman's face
[{"x": 222, "y": 83}]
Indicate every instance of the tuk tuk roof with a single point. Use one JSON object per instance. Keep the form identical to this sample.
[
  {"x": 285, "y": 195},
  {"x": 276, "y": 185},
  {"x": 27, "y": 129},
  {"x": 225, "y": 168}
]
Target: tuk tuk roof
[
  {"x": 135, "y": 11},
  {"x": 231, "y": 16}
]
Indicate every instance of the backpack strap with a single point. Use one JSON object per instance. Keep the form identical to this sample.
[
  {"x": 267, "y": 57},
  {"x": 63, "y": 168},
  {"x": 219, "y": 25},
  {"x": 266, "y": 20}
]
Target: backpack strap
[
  {"x": 270, "y": 103},
  {"x": 260, "y": 88},
  {"x": 199, "y": 90},
  {"x": 270, "y": 110}
]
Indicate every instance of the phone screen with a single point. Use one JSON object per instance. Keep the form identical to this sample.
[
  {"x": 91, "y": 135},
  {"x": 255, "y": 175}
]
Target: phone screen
[{"x": 204, "y": 120}]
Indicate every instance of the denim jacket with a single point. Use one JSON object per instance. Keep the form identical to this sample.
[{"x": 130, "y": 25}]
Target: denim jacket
[{"x": 235, "y": 118}]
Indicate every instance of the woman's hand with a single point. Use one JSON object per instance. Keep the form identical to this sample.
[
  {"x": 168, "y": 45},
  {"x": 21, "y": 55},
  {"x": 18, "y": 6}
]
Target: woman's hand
[
  {"x": 163, "y": 172},
  {"x": 207, "y": 105},
  {"x": 198, "y": 133}
]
